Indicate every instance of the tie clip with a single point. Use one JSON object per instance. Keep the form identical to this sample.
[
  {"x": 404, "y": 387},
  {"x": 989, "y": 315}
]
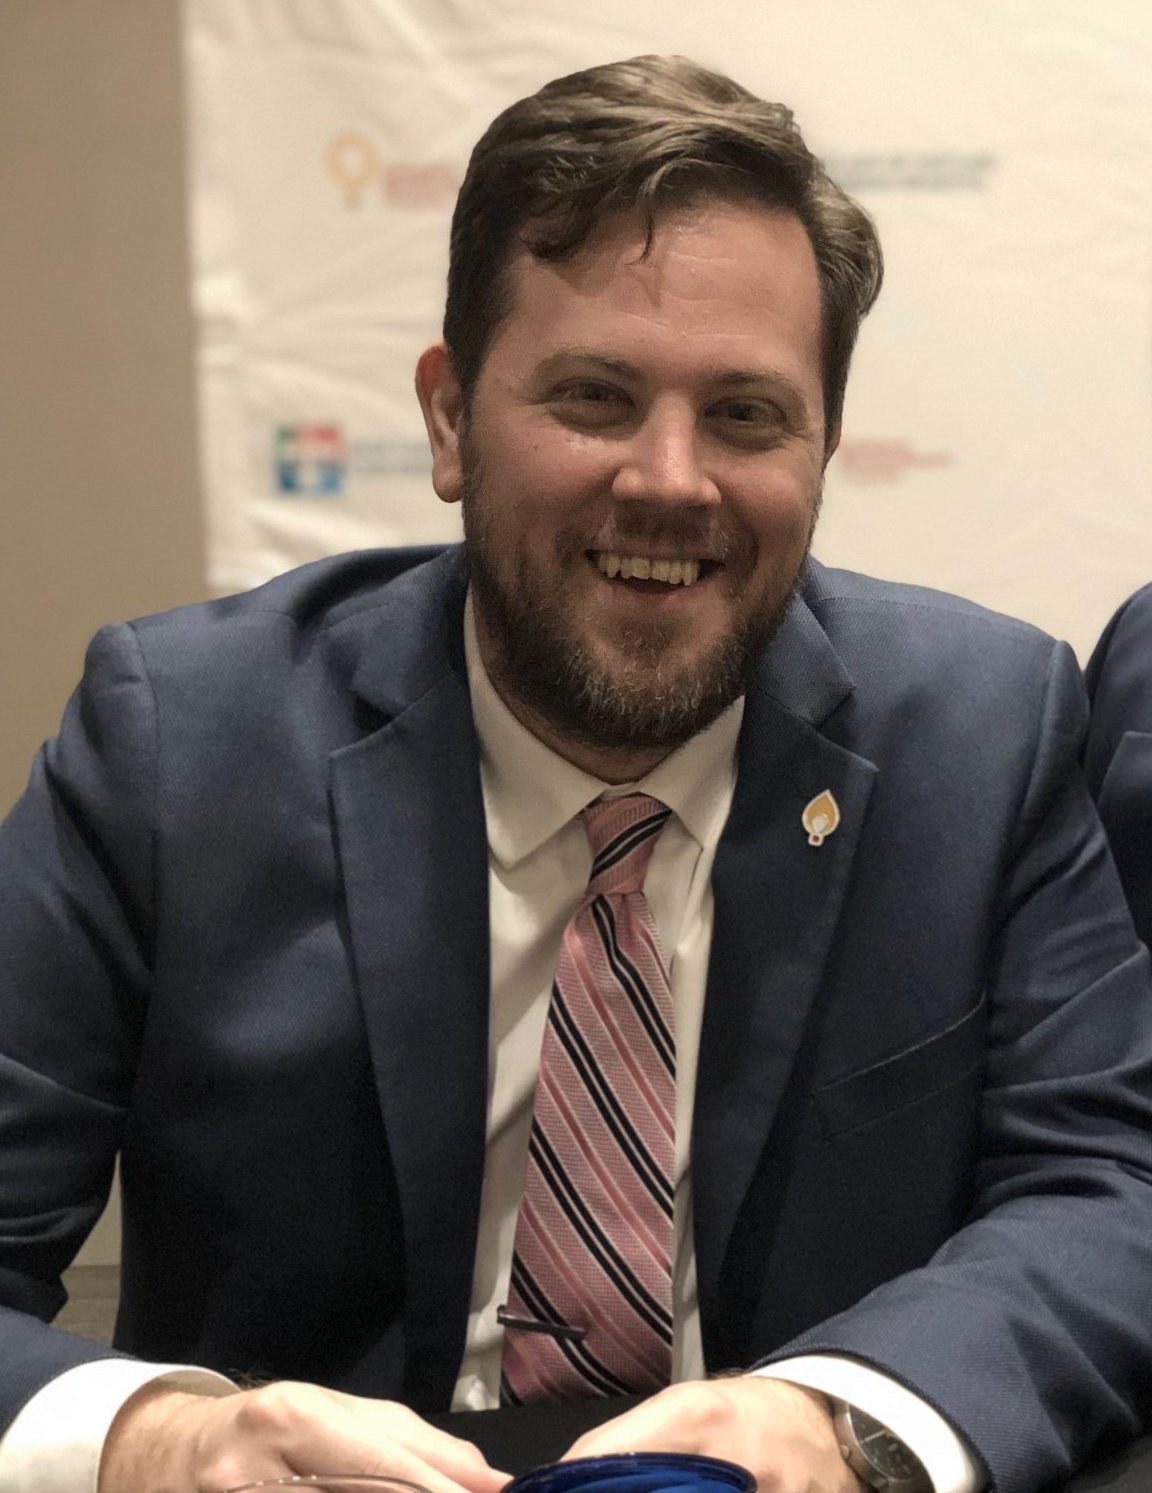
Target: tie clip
[{"x": 531, "y": 1324}]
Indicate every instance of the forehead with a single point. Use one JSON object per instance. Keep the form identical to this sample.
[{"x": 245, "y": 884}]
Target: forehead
[{"x": 720, "y": 284}]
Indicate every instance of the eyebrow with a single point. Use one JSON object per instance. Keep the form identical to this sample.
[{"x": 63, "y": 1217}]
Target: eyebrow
[
  {"x": 720, "y": 378},
  {"x": 558, "y": 360}
]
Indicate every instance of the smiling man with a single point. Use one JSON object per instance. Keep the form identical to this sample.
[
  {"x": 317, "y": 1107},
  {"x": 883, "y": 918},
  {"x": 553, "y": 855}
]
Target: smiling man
[{"x": 614, "y": 955}]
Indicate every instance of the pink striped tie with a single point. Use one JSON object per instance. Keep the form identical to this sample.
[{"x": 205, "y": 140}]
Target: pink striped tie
[{"x": 589, "y": 1308}]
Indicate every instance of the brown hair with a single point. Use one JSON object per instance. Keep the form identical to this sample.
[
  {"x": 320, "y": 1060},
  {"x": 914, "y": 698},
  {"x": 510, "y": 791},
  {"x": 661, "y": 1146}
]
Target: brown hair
[{"x": 646, "y": 134}]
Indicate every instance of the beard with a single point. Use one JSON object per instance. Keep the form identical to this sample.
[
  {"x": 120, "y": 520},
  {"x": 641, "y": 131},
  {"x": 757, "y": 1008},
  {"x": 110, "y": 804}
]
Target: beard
[{"x": 651, "y": 694}]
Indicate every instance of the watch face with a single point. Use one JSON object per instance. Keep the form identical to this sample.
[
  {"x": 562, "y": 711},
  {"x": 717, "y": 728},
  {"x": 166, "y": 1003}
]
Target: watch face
[{"x": 887, "y": 1453}]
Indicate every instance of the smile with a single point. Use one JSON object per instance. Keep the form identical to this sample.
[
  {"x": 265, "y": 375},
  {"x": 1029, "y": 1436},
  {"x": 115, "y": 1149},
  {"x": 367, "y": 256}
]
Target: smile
[{"x": 643, "y": 568}]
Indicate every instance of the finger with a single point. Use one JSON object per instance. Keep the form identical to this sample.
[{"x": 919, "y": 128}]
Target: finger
[
  {"x": 396, "y": 1460},
  {"x": 454, "y": 1455},
  {"x": 380, "y": 1457},
  {"x": 471, "y": 1472},
  {"x": 390, "y": 1440},
  {"x": 295, "y": 1429}
]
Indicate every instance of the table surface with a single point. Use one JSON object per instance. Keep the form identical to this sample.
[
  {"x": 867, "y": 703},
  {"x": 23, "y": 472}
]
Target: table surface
[{"x": 526, "y": 1436}]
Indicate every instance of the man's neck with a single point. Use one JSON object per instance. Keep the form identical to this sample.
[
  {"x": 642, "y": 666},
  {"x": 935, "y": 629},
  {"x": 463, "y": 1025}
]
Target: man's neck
[{"x": 610, "y": 765}]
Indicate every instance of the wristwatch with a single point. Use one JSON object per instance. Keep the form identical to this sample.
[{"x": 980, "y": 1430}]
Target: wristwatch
[{"x": 876, "y": 1456}]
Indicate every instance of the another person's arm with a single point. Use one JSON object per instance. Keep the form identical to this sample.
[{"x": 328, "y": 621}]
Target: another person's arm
[{"x": 1118, "y": 756}]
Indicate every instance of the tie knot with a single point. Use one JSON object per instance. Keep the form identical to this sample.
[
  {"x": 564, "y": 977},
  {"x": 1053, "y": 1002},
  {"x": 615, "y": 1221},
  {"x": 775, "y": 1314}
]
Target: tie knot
[{"x": 622, "y": 833}]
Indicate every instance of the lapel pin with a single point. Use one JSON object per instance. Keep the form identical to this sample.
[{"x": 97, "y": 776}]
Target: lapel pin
[{"x": 821, "y": 818}]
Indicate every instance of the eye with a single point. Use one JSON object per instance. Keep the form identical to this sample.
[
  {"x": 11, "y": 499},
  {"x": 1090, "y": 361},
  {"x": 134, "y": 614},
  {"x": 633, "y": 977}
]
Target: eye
[
  {"x": 589, "y": 402},
  {"x": 750, "y": 421}
]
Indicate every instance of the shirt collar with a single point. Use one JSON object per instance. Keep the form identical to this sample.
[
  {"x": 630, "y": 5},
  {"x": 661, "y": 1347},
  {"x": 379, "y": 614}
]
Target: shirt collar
[{"x": 530, "y": 793}]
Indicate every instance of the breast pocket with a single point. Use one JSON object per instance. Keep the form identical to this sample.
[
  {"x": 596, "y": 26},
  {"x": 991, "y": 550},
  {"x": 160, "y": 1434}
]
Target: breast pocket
[{"x": 905, "y": 1078}]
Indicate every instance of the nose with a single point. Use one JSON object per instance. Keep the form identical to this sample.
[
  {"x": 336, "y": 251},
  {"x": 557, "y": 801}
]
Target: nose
[{"x": 661, "y": 462}]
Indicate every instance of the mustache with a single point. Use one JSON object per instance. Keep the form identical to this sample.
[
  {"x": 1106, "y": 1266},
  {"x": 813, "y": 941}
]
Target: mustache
[{"x": 703, "y": 536}]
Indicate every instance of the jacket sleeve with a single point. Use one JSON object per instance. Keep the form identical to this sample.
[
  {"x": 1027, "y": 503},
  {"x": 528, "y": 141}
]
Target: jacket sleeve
[
  {"x": 1031, "y": 1328},
  {"x": 76, "y": 892}
]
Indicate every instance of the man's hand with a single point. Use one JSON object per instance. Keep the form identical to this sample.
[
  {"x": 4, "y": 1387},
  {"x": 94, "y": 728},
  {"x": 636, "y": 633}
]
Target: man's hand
[
  {"x": 187, "y": 1443},
  {"x": 781, "y": 1432}
]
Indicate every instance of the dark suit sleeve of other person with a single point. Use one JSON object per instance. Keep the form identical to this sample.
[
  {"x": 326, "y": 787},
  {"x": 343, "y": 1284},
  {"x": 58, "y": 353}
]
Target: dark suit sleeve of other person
[
  {"x": 1118, "y": 759},
  {"x": 1030, "y": 1325}
]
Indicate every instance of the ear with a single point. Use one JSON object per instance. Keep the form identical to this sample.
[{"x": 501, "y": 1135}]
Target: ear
[{"x": 442, "y": 404}]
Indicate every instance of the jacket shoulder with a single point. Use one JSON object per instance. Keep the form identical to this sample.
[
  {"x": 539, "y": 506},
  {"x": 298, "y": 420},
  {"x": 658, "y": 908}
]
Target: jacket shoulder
[
  {"x": 861, "y": 613},
  {"x": 312, "y": 629},
  {"x": 312, "y": 597}
]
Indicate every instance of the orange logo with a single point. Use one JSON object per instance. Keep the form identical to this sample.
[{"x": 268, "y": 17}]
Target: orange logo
[{"x": 360, "y": 171}]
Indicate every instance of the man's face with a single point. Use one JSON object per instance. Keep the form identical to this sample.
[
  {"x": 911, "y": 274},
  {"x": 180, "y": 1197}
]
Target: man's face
[{"x": 640, "y": 468}]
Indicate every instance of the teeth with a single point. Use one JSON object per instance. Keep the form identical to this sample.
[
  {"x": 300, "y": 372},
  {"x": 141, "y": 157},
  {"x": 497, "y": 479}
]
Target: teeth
[{"x": 641, "y": 568}]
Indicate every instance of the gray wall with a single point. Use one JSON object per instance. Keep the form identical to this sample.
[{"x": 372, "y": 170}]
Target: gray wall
[
  {"x": 99, "y": 508},
  {"x": 99, "y": 502}
]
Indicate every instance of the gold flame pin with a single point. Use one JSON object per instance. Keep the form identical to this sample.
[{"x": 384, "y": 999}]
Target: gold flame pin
[{"x": 821, "y": 817}]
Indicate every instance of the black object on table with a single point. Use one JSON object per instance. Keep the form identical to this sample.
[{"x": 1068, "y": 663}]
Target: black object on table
[
  {"x": 521, "y": 1437},
  {"x": 1126, "y": 1471}
]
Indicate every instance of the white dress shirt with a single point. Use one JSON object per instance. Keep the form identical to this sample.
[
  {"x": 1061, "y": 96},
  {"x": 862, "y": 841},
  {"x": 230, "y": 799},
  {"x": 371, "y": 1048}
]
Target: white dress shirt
[
  {"x": 538, "y": 867},
  {"x": 539, "y": 862}
]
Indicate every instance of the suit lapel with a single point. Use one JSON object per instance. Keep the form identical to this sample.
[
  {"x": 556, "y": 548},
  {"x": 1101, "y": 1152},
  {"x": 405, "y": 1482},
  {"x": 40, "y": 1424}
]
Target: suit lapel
[
  {"x": 777, "y": 901},
  {"x": 413, "y": 855}
]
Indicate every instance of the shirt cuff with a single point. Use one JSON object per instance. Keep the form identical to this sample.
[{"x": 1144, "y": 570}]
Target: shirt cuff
[
  {"x": 55, "y": 1443},
  {"x": 924, "y": 1431}
]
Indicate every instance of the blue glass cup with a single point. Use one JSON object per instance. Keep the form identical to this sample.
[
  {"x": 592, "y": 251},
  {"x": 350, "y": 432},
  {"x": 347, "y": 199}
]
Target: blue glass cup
[{"x": 637, "y": 1472}]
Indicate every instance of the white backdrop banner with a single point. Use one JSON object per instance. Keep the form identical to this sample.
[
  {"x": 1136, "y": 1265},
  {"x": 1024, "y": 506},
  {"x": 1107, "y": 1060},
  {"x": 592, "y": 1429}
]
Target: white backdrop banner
[{"x": 998, "y": 431}]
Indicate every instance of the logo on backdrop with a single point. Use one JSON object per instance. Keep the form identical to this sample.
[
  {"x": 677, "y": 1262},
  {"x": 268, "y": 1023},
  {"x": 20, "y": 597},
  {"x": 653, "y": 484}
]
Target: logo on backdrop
[
  {"x": 911, "y": 171},
  {"x": 364, "y": 174},
  {"x": 319, "y": 459},
  {"x": 867, "y": 461},
  {"x": 310, "y": 460}
]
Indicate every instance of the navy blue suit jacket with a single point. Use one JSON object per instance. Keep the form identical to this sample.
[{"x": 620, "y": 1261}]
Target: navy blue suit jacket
[
  {"x": 1119, "y": 754},
  {"x": 243, "y": 940}
]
